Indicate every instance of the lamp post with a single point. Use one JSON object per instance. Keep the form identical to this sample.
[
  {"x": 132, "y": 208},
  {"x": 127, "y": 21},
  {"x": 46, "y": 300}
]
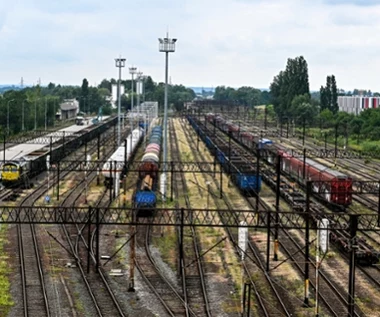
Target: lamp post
[
  {"x": 138, "y": 89},
  {"x": 167, "y": 46},
  {"x": 45, "y": 113},
  {"x": 132, "y": 71},
  {"x": 119, "y": 62},
  {"x": 8, "y": 115},
  {"x": 23, "y": 116},
  {"x": 54, "y": 111},
  {"x": 35, "y": 114},
  {"x": 143, "y": 87}
]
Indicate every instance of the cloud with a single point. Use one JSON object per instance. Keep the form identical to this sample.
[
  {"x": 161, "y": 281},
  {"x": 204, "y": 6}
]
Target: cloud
[
  {"x": 220, "y": 42},
  {"x": 354, "y": 2}
]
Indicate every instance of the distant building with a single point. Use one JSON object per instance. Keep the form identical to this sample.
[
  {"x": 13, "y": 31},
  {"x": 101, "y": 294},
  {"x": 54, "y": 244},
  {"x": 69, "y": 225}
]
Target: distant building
[
  {"x": 356, "y": 104},
  {"x": 69, "y": 109}
]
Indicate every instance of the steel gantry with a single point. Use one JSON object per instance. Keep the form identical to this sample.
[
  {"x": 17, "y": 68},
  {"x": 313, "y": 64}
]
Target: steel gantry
[{"x": 169, "y": 217}]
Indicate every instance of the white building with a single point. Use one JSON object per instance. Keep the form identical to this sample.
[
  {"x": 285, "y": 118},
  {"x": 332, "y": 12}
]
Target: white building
[{"x": 356, "y": 104}]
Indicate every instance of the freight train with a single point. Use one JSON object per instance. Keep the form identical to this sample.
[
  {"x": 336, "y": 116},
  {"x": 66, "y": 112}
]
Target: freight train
[
  {"x": 19, "y": 172},
  {"x": 333, "y": 186},
  {"x": 144, "y": 198},
  {"x": 240, "y": 167},
  {"x": 117, "y": 162},
  {"x": 339, "y": 193}
]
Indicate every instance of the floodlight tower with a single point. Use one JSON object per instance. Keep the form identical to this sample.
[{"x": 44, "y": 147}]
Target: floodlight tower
[
  {"x": 166, "y": 45},
  {"x": 119, "y": 62},
  {"x": 132, "y": 71},
  {"x": 138, "y": 88}
]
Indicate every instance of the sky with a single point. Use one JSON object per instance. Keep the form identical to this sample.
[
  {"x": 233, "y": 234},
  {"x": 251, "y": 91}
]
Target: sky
[{"x": 220, "y": 42}]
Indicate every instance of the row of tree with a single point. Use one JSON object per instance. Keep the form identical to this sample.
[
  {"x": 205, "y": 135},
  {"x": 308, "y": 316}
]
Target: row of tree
[
  {"x": 36, "y": 107},
  {"x": 247, "y": 96}
]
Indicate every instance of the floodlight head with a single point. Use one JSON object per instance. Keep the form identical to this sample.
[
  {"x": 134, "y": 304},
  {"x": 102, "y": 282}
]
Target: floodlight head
[
  {"x": 167, "y": 45},
  {"x": 120, "y": 62},
  {"x": 132, "y": 70}
]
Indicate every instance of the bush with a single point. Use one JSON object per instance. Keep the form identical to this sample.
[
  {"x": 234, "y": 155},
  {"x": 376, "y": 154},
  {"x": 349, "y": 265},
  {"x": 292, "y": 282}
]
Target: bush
[{"x": 371, "y": 147}]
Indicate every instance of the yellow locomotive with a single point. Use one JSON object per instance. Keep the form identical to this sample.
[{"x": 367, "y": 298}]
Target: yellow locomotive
[{"x": 14, "y": 173}]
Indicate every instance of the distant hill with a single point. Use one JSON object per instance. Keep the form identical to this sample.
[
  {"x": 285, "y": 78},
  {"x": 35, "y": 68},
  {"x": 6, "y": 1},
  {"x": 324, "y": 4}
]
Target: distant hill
[
  {"x": 198, "y": 90},
  {"x": 4, "y": 88}
]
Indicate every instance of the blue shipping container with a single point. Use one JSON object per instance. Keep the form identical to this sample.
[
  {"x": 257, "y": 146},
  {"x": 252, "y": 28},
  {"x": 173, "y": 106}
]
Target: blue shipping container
[
  {"x": 221, "y": 157},
  {"x": 208, "y": 142},
  {"x": 249, "y": 182},
  {"x": 145, "y": 199}
]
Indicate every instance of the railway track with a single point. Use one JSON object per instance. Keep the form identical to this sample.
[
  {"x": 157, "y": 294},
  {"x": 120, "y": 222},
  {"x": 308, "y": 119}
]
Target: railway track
[
  {"x": 193, "y": 276},
  {"x": 103, "y": 298},
  {"x": 268, "y": 305},
  {"x": 167, "y": 292},
  {"x": 105, "y": 302},
  {"x": 339, "y": 294},
  {"x": 166, "y": 289},
  {"x": 34, "y": 295}
]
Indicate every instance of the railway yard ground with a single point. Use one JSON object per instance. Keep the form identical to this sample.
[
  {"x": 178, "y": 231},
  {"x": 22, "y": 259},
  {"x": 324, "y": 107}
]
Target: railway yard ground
[{"x": 50, "y": 270}]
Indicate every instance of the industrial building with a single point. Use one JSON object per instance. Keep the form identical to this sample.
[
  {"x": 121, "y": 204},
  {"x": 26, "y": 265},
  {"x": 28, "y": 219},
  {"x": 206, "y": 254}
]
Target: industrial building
[{"x": 68, "y": 109}]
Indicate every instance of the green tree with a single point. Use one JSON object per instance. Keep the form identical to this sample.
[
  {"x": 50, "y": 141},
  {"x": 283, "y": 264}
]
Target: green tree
[
  {"x": 83, "y": 99},
  {"x": 329, "y": 95},
  {"x": 327, "y": 118},
  {"x": 334, "y": 96},
  {"x": 288, "y": 84},
  {"x": 106, "y": 84},
  {"x": 302, "y": 110},
  {"x": 324, "y": 98},
  {"x": 356, "y": 125},
  {"x": 328, "y": 92}
]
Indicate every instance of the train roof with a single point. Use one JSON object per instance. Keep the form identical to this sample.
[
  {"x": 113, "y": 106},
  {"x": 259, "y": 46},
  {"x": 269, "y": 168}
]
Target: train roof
[
  {"x": 325, "y": 169},
  {"x": 118, "y": 155},
  {"x": 23, "y": 150},
  {"x": 266, "y": 141}
]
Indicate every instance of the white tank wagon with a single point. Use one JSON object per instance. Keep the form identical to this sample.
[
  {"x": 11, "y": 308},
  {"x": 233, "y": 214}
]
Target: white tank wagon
[{"x": 116, "y": 163}]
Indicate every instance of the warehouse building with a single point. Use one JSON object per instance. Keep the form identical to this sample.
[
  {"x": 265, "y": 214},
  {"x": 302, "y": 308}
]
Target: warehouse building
[{"x": 356, "y": 104}]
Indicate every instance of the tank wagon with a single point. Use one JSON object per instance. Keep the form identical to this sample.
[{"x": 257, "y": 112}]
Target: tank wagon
[
  {"x": 19, "y": 172},
  {"x": 145, "y": 195},
  {"x": 337, "y": 188},
  {"x": 238, "y": 165},
  {"x": 121, "y": 156}
]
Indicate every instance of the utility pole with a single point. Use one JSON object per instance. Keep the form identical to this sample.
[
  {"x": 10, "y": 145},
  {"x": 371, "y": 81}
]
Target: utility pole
[{"x": 45, "y": 113}]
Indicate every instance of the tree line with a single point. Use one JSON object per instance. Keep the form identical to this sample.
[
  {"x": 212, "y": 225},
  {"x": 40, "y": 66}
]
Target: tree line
[
  {"x": 36, "y": 107},
  {"x": 247, "y": 96}
]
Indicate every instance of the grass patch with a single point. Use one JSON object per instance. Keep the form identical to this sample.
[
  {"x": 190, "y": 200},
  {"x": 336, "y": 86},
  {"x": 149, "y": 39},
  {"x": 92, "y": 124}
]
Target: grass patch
[
  {"x": 167, "y": 245},
  {"x": 78, "y": 304},
  {"x": 6, "y": 301}
]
